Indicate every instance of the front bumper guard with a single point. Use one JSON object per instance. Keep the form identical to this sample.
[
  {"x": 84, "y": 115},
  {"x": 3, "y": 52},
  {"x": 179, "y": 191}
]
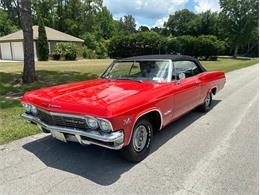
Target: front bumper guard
[{"x": 113, "y": 140}]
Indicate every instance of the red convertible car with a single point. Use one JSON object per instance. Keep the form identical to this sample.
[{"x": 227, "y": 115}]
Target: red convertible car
[{"x": 122, "y": 108}]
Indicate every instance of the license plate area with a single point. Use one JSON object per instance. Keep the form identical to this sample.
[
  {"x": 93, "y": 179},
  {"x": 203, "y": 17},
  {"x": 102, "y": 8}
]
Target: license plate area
[{"x": 58, "y": 135}]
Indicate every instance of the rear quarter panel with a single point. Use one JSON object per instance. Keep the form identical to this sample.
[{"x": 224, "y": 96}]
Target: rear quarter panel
[{"x": 210, "y": 80}]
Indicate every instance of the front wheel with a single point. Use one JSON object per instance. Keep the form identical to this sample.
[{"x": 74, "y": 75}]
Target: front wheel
[
  {"x": 206, "y": 106},
  {"x": 140, "y": 144}
]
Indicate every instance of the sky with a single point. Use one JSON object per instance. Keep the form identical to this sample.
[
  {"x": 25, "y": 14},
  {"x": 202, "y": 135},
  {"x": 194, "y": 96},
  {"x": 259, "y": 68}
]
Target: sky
[{"x": 153, "y": 13}]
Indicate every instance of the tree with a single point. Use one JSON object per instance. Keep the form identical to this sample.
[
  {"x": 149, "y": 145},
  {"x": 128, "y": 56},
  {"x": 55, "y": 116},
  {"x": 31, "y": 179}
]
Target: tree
[
  {"x": 179, "y": 23},
  {"x": 156, "y": 29},
  {"x": 29, "y": 75},
  {"x": 72, "y": 17},
  {"x": 143, "y": 29},
  {"x": 205, "y": 23},
  {"x": 44, "y": 10},
  {"x": 6, "y": 25},
  {"x": 127, "y": 24},
  {"x": 12, "y": 9},
  {"x": 239, "y": 19},
  {"x": 89, "y": 10},
  {"x": 42, "y": 42},
  {"x": 105, "y": 25}
]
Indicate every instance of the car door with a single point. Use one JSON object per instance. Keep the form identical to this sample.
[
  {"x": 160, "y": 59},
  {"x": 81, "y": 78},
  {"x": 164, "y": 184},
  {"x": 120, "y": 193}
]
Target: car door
[{"x": 187, "y": 90}]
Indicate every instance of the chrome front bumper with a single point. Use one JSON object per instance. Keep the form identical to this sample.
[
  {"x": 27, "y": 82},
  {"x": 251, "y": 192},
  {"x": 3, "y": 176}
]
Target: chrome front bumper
[{"x": 114, "y": 140}]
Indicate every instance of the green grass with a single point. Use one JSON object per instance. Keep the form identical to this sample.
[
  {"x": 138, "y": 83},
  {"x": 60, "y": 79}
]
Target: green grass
[
  {"x": 13, "y": 127},
  {"x": 229, "y": 64}
]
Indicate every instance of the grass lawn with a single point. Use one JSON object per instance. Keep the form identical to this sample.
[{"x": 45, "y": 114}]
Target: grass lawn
[{"x": 13, "y": 127}]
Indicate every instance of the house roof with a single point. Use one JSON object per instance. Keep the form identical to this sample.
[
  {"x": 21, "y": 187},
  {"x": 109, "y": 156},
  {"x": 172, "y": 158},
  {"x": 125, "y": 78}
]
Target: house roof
[{"x": 52, "y": 35}]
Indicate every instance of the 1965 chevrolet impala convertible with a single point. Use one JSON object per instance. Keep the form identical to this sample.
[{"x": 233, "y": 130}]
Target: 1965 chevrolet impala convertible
[{"x": 121, "y": 109}]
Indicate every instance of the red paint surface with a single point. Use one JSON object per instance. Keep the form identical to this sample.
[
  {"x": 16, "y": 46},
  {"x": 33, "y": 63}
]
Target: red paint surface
[{"x": 121, "y": 99}]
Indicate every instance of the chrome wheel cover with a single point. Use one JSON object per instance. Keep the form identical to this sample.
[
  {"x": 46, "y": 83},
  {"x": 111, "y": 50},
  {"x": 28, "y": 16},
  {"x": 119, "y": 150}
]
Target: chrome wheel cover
[{"x": 140, "y": 137}]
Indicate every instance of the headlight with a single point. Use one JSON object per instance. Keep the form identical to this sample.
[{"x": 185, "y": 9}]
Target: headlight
[
  {"x": 92, "y": 123},
  {"x": 33, "y": 110},
  {"x": 105, "y": 125},
  {"x": 27, "y": 107}
]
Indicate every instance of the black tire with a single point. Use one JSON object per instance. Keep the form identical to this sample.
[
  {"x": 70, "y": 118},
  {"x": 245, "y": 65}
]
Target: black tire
[
  {"x": 130, "y": 152},
  {"x": 207, "y": 104}
]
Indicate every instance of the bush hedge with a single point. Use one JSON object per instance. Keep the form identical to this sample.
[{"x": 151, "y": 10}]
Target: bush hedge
[
  {"x": 67, "y": 50},
  {"x": 142, "y": 43}
]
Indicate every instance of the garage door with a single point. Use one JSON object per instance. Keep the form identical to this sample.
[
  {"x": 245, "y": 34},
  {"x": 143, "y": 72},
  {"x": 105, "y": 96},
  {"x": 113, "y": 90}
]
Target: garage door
[
  {"x": 6, "y": 51},
  {"x": 17, "y": 48}
]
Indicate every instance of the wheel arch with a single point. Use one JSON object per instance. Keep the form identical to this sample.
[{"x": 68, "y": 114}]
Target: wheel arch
[
  {"x": 149, "y": 114},
  {"x": 214, "y": 90}
]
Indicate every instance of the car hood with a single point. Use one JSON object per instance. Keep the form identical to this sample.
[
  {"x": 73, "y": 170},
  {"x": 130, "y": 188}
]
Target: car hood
[{"x": 97, "y": 97}]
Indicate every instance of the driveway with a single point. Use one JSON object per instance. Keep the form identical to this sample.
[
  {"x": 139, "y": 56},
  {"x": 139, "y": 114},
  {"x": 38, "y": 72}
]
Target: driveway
[{"x": 213, "y": 153}]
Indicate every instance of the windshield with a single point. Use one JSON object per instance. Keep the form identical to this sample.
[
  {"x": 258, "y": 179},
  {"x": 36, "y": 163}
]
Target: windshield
[{"x": 138, "y": 70}]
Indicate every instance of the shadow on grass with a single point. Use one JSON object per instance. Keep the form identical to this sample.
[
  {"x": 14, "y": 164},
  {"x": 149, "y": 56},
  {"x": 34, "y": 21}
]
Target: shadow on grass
[
  {"x": 11, "y": 89},
  {"x": 102, "y": 166}
]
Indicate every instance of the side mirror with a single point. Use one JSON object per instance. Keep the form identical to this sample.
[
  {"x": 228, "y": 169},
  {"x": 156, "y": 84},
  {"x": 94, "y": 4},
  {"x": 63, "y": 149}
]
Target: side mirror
[{"x": 181, "y": 76}]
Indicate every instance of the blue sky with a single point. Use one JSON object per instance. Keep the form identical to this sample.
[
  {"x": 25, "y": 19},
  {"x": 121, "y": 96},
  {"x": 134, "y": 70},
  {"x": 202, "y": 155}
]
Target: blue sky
[{"x": 155, "y": 12}]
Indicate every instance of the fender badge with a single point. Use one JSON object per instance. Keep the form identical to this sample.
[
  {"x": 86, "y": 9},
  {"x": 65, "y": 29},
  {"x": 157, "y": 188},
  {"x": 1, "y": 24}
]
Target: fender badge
[{"x": 126, "y": 121}]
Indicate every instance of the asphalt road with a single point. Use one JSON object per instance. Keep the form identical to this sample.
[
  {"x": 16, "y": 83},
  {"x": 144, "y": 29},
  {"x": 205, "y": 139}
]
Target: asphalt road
[{"x": 213, "y": 153}]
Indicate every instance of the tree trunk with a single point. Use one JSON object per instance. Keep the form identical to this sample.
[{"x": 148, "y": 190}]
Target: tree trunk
[
  {"x": 235, "y": 51},
  {"x": 26, "y": 22}
]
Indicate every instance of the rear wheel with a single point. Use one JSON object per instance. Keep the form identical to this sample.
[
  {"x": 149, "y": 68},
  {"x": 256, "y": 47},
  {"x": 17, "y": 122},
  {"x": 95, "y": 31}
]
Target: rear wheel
[
  {"x": 206, "y": 106},
  {"x": 140, "y": 144}
]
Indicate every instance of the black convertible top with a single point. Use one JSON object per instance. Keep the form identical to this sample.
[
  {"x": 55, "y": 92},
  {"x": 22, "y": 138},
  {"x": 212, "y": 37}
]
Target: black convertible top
[
  {"x": 155, "y": 57},
  {"x": 164, "y": 57}
]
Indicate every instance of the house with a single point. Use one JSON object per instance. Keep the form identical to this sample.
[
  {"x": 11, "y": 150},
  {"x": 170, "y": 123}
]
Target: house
[{"x": 11, "y": 46}]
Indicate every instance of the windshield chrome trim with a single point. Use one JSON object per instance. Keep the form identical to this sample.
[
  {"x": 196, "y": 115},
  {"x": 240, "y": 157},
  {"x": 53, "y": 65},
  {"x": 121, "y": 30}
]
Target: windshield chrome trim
[{"x": 116, "y": 61}]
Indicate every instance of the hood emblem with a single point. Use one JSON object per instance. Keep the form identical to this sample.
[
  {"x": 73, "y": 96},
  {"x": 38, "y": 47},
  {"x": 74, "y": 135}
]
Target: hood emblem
[{"x": 51, "y": 106}]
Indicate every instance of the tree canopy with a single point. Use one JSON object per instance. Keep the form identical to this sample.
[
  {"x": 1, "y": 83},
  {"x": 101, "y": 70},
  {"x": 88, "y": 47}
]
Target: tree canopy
[
  {"x": 239, "y": 19},
  {"x": 236, "y": 23},
  {"x": 179, "y": 23},
  {"x": 127, "y": 24}
]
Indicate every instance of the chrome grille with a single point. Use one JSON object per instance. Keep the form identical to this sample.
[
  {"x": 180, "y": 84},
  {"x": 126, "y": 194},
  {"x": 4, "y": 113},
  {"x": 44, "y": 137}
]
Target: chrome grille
[
  {"x": 64, "y": 121},
  {"x": 45, "y": 117}
]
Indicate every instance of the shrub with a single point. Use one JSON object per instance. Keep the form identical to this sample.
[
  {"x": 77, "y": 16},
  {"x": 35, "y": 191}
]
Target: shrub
[
  {"x": 56, "y": 56},
  {"x": 144, "y": 43},
  {"x": 141, "y": 43},
  {"x": 186, "y": 45},
  {"x": 67, "y": 50},
  {"x": 42, "y": 43},
  {"x": 90, "y": 40},
  {"x": 89, "y": 53},
  {"x": 102, "y": 50},
  {"x": 171, "y": 44},
  {"x": 209, "y": 46},
  {"x": 70, "y": 52}
]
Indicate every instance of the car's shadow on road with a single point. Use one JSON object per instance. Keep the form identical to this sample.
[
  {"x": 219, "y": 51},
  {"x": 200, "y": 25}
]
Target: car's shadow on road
[{"x": 102, "y": 166}]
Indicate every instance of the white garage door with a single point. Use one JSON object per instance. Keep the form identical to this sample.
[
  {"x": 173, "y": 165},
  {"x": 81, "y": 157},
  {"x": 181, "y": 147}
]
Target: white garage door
[
  {"x": 17, "y": 48},
  {"x": 6, "y": 51},
  {"x": 35, "y": 51}
]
